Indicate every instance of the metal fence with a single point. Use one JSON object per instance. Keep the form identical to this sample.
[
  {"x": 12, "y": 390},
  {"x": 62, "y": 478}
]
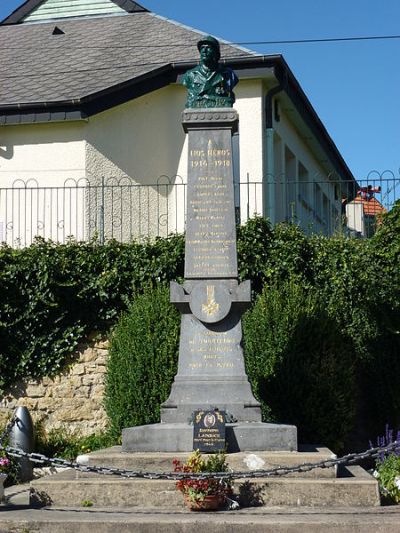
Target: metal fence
[{"x": 125, "y": 210}]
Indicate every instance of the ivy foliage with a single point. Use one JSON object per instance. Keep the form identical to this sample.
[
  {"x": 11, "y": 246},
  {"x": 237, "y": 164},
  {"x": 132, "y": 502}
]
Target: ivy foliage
[
  {"x": 327, "y": 300},
  {"x": 53, "y": 295}
]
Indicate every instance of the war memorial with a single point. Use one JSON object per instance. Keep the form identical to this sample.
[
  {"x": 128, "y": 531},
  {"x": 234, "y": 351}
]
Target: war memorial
[
  {"x": 211, "y": 403},
  {"x": 211, "y": 372}
]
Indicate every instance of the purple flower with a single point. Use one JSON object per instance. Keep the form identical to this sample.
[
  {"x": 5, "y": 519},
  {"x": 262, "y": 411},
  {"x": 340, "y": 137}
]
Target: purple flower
[
  {"x": 4, "y": 462},
  {"x": 386, "y": 440}
]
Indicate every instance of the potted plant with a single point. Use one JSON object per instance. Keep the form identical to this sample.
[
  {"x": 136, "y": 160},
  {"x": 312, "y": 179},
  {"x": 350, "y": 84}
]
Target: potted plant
[
  {"x": 207, "y": 494},
  {"x": 4, "y": 464}
]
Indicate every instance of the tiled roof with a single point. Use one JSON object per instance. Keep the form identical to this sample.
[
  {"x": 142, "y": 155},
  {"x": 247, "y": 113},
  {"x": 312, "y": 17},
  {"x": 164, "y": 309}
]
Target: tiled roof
[
  {"x": 91, "y": 55},
  {"x": 371, "y": 207}
]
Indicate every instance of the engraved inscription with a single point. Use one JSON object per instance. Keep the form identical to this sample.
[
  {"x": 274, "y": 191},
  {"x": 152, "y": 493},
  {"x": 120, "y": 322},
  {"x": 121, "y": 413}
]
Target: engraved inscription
[
  {"x": 212, "y": 351},
  {"x": 211, "y": 234},
  {"x": 209, "y": 431}
]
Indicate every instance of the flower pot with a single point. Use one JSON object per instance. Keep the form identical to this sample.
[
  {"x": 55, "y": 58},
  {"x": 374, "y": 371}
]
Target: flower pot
[
  {"x": 3, "y": 477},
  {"x": 212, "y": 502}
]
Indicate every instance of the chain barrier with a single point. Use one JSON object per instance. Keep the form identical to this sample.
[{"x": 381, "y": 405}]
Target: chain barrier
[{"x": 349, "y": 459}]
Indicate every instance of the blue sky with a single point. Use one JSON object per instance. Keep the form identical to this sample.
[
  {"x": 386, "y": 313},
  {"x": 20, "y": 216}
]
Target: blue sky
[{"x": 353, "y": 86}]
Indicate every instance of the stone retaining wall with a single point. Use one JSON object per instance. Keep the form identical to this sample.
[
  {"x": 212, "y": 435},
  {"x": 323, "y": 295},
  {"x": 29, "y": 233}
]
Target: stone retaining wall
[{"x": 71, "y": 400}]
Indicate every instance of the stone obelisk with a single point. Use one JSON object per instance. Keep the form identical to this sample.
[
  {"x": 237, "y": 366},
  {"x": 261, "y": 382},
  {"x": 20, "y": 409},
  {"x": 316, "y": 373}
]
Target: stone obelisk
[
  {"x": 211, "y": 369},
  {"x": 211, "y": 372}
]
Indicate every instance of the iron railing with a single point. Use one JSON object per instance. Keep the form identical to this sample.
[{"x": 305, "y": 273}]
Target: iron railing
[{"x": 124, "y": 210}]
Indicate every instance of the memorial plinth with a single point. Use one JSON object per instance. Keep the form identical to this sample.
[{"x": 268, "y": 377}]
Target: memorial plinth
[
  {"x": 211, "y": 372},
  {"x": 211, "y": 369}
]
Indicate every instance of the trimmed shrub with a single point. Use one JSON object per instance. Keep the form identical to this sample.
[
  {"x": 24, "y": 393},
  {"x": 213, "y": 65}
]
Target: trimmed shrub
[
  {"x": 381, "y": 385},
  {"x": 143, "y": 360},
  {"x": 347, "y": 281},
  {"x": 266, "y": 255},
  {"x": 289, "y": 255},
  {"x": 300, "y": 365}
]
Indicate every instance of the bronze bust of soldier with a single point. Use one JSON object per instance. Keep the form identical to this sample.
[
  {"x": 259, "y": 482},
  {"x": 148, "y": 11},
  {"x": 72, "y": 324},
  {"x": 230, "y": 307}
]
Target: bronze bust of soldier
[{"x": 209, "y": 84}]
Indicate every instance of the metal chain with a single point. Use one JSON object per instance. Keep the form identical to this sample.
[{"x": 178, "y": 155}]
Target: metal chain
[{"x": 349, "y": 459}]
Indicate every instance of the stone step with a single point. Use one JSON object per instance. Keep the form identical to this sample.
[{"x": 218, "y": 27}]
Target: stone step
[
  {"x": 258, "y": 520},
  {"x": 162, "y": 461},
  {"x": 70, "y": 488}
]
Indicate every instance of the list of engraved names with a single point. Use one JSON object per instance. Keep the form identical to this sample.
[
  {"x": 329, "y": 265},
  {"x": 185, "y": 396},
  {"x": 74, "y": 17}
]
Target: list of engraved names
[{"x": 211, "y": 234}]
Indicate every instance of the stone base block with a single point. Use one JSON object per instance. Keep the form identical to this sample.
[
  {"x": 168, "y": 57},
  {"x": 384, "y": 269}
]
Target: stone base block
[
  {"x": 234, "y": 396},
  {"x": 70, "y": 489},
  {"x": 251, "y": 436},
  {"x": 163, "y": 461}
]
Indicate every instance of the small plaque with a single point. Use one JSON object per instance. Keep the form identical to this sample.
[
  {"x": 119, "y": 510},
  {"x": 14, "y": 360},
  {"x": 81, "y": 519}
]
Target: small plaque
[{"x": 209, "y": 431}]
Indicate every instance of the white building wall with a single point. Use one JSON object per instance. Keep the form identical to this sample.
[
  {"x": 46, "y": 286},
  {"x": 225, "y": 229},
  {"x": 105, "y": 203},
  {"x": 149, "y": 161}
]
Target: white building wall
[
  {"x": 55, "y": 9},
  {"x": 42, "y": 171},
  {"x": 315, "y": 202},
  {"x": 295, "y": 143},
  {"x": 249, "y": 104},
  {"x": 142, "y": 139},
  {"x": 140, "y": 145},
  {"x": 142, "y": 142},
  {"x": 49, "y": 153}
]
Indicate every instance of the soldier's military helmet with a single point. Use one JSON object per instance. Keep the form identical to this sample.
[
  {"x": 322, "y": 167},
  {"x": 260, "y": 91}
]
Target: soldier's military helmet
[{"x": 211, "y": 41}]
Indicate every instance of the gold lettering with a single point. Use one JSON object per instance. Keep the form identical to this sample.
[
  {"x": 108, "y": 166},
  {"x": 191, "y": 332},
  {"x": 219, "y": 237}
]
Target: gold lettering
[
  {"x": 197, "y": 153},
  {"x": 222, "y": 163},
  {"x": 199, "y": 163},
  {"x": 195, "y": 365},
  {"x": 225, "y": 365},
  {"x": 218, "y": 152}
]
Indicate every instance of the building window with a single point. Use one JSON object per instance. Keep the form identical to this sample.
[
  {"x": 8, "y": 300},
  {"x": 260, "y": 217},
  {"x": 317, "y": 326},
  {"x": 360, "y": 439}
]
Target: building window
[
  {"x": 318, "y": 202},
  {"x": 291, "y": 185},
  {"x": 304, "y": 192},
  {"x": 325, "y": 211}
]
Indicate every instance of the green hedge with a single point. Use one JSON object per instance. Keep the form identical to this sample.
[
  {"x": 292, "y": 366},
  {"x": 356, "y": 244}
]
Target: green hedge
[
  {"x": 52, "y": 296},
  {"x": 142, "y": 361},
  {"x": 300, "y": 365}
]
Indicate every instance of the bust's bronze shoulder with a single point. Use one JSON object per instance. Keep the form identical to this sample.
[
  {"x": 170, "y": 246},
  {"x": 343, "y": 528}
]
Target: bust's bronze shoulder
[{"x": 209, "y": 84}]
